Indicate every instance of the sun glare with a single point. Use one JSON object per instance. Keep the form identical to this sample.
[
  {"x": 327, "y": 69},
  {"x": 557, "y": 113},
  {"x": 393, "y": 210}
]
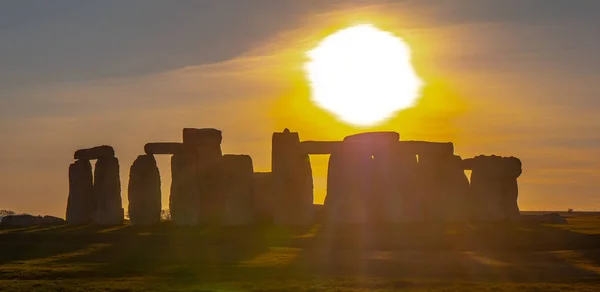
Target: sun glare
[{"x": 362, "y": 75}]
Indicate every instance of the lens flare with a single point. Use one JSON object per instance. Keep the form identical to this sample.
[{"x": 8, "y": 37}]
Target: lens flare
[{"x": 362, "y": 75}]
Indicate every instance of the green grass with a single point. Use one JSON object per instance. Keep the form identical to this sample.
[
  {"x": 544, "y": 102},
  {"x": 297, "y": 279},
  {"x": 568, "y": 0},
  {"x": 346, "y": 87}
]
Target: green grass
[{"x": 418, "y": 257}]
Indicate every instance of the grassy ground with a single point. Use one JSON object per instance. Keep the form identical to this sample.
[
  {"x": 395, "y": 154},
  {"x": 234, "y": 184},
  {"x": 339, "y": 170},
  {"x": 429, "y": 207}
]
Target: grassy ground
[{"x": 432, "y": 257}]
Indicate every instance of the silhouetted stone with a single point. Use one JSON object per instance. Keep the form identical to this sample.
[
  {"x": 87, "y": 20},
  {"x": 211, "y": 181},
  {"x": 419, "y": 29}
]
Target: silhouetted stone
[
  {"x": 206, "y": 136},
  {"x": 487, "y": 187},
  {"x": 264, "y": 196},
  {"x": 108, "y": 207},
  {"x": 335, "y": 187},
  {"x": 184, "y": 199},
  {"x": 354, "y": 179},
  {"x": 80, "y": 204},
  {"x": 374, "y": 137},
  {"x": 293, "y": 184},
  {"x": 456, "y": 201},
  {"x": 103, "y": 151},
  {"x": 163, "y": 148},
  {"x": 401, "y": 200},
  {"x": 207, "y": 146},
  {"x": 237, "y": 189},
  {"x": 144, "y": 191},
  {"x": 430, "y": 177},
  {"x": 512, "y": 170}
]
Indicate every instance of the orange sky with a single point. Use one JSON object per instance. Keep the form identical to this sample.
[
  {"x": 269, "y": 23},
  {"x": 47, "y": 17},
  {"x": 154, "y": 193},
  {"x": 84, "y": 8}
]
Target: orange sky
[{"x": 492, "y": 87}]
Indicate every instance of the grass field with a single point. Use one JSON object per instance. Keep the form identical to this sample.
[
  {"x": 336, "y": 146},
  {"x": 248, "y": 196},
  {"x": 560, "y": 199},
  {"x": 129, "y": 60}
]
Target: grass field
[{"x": 421, "y": 257}]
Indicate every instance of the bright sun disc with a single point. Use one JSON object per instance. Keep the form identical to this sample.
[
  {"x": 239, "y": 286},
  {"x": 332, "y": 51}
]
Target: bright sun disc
[{"x": 362, "y": 75}]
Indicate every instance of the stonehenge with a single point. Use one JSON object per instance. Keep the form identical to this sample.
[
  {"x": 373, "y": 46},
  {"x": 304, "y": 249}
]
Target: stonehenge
[
  {"x": 96, "y": 198},
  {"x": 373, "y": 178}
]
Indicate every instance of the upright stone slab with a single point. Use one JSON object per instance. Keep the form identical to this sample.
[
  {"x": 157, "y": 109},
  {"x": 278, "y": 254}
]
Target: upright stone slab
[
  {"x": 335, "y": 188},
  {"x": 184, "y": 198},
  {"x": 403, "y": 203},
  {"x": 237, "y": 189},
  {"x": 80, "y": 204},
  {"x": 456, "y": 198},
  {"x": 108, "y": 207},
  {"x": 487, "y": 188},
  {"x": 430, "y": 179},
  {"x": 357, "y": 168},
  {"x": 207, "y": 144},
  {"x": 292, "y": 175},
  {"x": 512, "y": 170},
  {"x": 144, "y": 191},
  {"x": 263, "y": 197}
]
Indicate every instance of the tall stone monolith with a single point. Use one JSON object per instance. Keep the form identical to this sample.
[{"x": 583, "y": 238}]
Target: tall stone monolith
[
  {"x": 237, "y": 190},
  {"x": 144, "y": 191},
  {"x": 487, "y": 188},
  {"x": 184, "y": 198},
  {"x": 456, "y": 186},
  {"x": 263, "y": 197},
  {"x": 292, "y": 179},
  {"x": 512, "y": 170},
  {"x": 108, "y": 207},
  {"x": 207, "y": 145},
  {"x": 80, "y": 204}
]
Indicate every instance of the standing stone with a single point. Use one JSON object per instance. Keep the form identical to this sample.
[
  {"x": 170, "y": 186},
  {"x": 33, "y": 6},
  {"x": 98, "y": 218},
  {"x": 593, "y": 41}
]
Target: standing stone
[
  {"x": 335, "y": 187},
  {"x": 237, "y": 189},
  {"x": 144, "y": 191},
  {"x": 263, "y": 197},
  {"x": 456, "y": 184},
  {"x": 512, "y": 170},
  {"x": 108, "y": 208},
  {"x": 80, "y": 204},
  {"x": 293, "y": 183},
  {"x": 487, "y": 188},
  {"x": 184, "y": 198},
  {"x": 351, "y": 207},
  {"x": 430, "y": 175},
  {"x": 207, "y": 145}
]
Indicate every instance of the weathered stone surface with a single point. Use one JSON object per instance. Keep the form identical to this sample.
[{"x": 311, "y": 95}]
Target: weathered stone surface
[
  {"x": 264, "y": 197},
  {"x": 354, "y": 179},
  {"x": 400, "y": 197},
  {"x": 202, "y": 136},
  {"x": 95, "y": 153},
  {"x": 237, "y": 189},
  {"x": 489, "y": 179},
  {"x": 30, "y": 220},
  {"x": 374, "y": 137},
  {"x": 80, "y": 204},
  {"x": 335, "y": 188},
  {"x": 426, "y": 148},
  {"x": 108, "y": 207},
  {"x": 163, "y": 148},
  {"x": 292, "y": 175},
  {"x": 184, "y": 199},
  {"x": 144, "y": 191},
  {"x": 512, "y": 170},
  {"x": 458, "y": 204},
  {"x": 431, "y": 175}
]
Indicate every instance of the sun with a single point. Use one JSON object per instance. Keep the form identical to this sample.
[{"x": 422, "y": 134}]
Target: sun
[{"x": 362, "y": 74}]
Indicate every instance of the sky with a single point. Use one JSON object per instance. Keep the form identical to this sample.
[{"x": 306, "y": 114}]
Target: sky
[{"x": 511, "y": 78}]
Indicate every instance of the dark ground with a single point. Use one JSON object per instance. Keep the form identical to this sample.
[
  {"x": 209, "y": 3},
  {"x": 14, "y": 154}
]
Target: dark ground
[{"x": 417, "y": 257}]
